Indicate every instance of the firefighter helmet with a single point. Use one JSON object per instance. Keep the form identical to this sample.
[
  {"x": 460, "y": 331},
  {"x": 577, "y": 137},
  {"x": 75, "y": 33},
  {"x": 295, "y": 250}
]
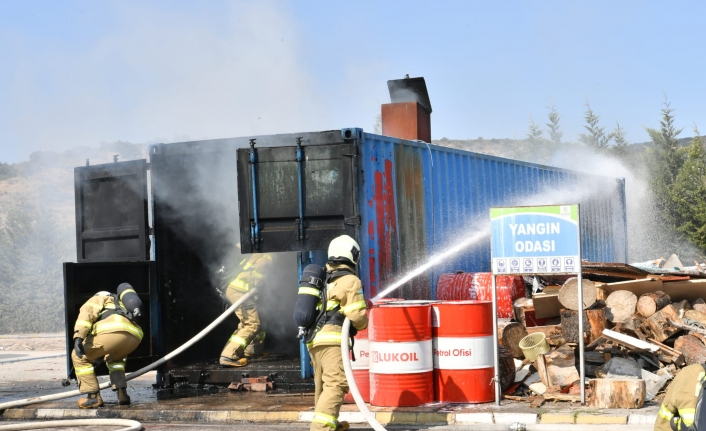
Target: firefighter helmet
[{"x": 344, "y": 249}]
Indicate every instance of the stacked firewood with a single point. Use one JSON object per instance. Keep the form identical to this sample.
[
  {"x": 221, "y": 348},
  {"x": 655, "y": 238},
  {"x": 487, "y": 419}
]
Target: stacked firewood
[{"x": 634, "y": 345}]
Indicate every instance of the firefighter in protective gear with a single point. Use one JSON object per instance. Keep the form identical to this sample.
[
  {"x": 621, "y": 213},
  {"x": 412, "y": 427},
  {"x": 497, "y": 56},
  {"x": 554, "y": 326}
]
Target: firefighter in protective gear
[
  {"x": 344, "y": 298},
  {"x": 679, "y": 406},
  {"x": 106, "y": 329},
  {"x": 250, "y": 330}
]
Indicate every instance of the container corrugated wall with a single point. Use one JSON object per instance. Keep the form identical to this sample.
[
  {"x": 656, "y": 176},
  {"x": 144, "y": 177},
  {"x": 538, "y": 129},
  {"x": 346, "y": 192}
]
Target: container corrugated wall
[{"x": 417, "y": 199}]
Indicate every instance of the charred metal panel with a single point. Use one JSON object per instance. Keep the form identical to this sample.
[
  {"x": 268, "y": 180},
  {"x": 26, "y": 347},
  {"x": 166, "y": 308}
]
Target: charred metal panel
[
  {"x": 83, "y": 280},
  {"x": 111, "y": 212},
  {"x": 269, "y": 196}
]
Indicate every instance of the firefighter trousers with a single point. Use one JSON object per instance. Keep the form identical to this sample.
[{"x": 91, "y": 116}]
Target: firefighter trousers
[
  {"x": 330, "y": 384},
  {"x": 248, "y": 327},
  {"x": 113, "y": 347}
]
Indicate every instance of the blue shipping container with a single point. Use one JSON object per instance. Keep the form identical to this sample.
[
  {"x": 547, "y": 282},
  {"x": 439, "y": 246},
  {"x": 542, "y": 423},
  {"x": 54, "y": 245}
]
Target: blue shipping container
[{"x": 411, "y": 200}]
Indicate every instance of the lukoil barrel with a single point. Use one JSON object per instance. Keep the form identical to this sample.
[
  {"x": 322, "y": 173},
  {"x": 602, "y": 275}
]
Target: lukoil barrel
[
  {"x": 401, "y": 366},
  {"x": 361, "y": 365},
  {"x": 463, "y": 351}
]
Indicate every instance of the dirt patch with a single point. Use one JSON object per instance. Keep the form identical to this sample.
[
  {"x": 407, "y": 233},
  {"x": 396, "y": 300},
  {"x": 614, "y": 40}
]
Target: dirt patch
[{"x": 43, "y": 342}]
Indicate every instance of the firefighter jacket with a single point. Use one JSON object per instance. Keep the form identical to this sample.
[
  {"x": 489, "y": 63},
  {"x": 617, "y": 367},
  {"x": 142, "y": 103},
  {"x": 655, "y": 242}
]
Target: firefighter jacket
[
  {"x": 89, "y": 319},
  {"x": 252, "y": 272},
  {"x": 345, "y": 292},
  {"x": 680, "y": 401}
]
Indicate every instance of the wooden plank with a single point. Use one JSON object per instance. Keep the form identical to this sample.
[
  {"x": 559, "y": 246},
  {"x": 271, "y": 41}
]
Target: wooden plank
[
  {"x": 546, "y": 305},
  {"x": 638, "y": 287}
]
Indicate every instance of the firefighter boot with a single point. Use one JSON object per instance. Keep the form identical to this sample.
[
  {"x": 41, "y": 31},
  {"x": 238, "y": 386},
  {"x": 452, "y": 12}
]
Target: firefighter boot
[
  {"x": 342, "y": 426},
  {"x": 92, "y": 401},
  {"x": 123, "y": 397},
  {"x": 228, "y": 362}
]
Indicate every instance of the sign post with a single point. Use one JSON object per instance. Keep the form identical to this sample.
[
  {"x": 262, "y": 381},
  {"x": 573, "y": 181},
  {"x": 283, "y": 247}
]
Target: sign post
[{"x": 540, "y": 240}]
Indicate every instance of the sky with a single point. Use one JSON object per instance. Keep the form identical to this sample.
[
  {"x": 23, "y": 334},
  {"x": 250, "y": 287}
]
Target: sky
[{"x": 79, "y": 73}]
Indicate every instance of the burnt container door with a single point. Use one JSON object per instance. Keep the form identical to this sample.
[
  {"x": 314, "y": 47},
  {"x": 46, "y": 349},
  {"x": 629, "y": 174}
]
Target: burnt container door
[
  {"x": 113, "y": 247},
  {"x": 297, "y": 198},
  {"x": 111, "y": 212}
]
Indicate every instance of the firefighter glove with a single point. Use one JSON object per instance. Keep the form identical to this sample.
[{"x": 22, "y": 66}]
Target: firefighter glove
[{"x": 78, "y": 347}]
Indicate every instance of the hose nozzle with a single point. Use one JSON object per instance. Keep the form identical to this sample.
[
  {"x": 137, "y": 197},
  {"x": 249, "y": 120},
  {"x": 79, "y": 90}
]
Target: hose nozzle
[{"x": 302, "y": 332}]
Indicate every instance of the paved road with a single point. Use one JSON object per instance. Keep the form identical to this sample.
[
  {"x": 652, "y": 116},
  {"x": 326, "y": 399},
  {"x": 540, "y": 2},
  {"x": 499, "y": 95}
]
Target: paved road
[{"x": 301, "y": 427}]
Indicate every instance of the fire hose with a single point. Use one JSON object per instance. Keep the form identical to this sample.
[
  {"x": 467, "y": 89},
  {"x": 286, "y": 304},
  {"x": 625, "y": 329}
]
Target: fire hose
[
  {"x": 138, "y": 373},
  {"x": 353, "y": 387}
]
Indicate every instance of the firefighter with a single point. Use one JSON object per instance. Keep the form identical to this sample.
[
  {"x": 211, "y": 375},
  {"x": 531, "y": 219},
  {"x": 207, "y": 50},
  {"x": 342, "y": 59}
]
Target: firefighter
[
  {"x": 344, "y": 298},
  {"x": 248, "y": 338},
  {"x": 106, "y": 328},
  {"x": 679, "y": 406}
]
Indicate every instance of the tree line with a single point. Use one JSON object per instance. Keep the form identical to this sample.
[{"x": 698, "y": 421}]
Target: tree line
[{"x": 674, "y": 172}]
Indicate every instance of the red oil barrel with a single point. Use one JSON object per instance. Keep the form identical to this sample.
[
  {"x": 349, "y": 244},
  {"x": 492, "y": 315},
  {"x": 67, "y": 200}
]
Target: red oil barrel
[
  {"x": 479, "y": 285},
  {"x": 361, "y": 365},
  {"x": 401, "y": 365},
  {"x": 463, "y": 351}
]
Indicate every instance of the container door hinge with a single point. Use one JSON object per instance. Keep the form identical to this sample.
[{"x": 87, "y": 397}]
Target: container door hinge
[
  {"x": 352, "y": 221},
  {"x": 351, "y": 151}
]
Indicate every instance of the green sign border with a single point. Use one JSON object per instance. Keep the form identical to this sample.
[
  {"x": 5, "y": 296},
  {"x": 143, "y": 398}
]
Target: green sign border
[{"x": 496, "y": 212}]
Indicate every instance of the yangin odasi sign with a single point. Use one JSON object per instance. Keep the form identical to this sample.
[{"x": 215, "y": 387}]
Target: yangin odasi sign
[{"x": 535, "y": 240}]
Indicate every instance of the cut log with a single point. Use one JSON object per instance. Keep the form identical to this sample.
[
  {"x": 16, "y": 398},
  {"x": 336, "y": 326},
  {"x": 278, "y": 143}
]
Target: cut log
[
  {"x": 507, "y": 368},
  {"x": 695, "y": 315},
  {"x": 568, "y": 295},
  {"x": 594, "y": 322},
  {"x": 650, "y": 303},
  {"x": 617, "y": 393},
  {"x": 509, "y": 336},
  {"x": 620, "y": 306},
  {"x": 558, "y": 368},
  {"x": 692, "y": 348},
  {"x": 659, "y": 323}
]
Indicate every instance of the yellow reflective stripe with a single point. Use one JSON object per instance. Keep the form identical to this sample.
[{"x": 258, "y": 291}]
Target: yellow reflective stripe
[
  {"x": 241, "y": 341},
  {"x": 84, "y": 370},
  {"x": 240, "y": 285},
  {"x": 687, "y": 416},
  {"x": 126, "y": 291},
  {"x": 326, "y": 337},
  {"x": 118, "y": 366},
  {"x": 309, "y": 291},
  {"x": 121, "y": 326},
  {"x": 256, "y": 274},
  {"x": 85, "y": 323},
  {"x": 353, "y": 307},
  {"x": 247, "y": 266},
  {"x": 331, "y": 304},
  {"x": 325, "y": 419},
  {"x": 664, "y": 413}
]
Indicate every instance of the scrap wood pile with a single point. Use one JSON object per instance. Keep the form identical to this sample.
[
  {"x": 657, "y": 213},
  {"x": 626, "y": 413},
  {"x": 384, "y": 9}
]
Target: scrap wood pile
[{"x": 637, "y": 334}]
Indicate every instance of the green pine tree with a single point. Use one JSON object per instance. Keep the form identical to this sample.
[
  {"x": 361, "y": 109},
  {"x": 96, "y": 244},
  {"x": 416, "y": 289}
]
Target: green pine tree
[
  {"x": 688, "y": 195},
  {"x": 665, "y": 160},
  {"x": 554, "y": 133},
  {"x": 619, "y": 136},
  {"x": 596, "y": 137}
]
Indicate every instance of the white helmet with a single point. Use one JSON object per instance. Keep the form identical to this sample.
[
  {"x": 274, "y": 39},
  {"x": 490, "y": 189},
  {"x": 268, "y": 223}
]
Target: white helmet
[
  {"x": 102, "y": 293},
  {"x": 344, "y": 249}
]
